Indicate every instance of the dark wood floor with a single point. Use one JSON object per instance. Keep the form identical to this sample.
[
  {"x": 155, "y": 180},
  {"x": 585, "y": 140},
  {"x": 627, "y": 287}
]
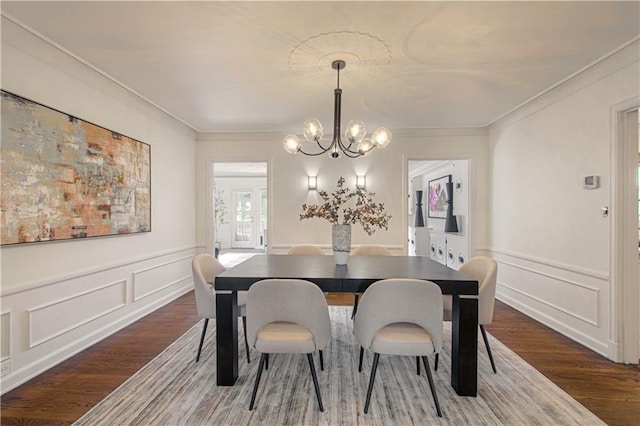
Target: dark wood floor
[{"x": 64, "y": 393}]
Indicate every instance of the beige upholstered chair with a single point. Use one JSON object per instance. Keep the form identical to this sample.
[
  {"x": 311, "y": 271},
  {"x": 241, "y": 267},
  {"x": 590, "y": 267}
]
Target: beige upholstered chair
[
  {"x": 371, "y": 251},
  {"x": 305, "y": 250},
  {"x": 366, "y": 251},
  {"x": 205, "y": 268},
  {"x": 287, "y": 316},
  {"x": 485, "y": 270},
  {"x": 400, "y": 317}
]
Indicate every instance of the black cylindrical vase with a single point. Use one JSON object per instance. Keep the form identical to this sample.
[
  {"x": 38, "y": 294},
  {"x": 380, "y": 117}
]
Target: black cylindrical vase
[
  {"x": 419, "y": 223},
  {"x": 450, "y": 223}
]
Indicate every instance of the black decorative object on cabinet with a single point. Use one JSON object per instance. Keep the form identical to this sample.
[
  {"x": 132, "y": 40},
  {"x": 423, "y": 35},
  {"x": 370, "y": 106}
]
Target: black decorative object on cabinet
[
  {"x": 419, "y": 216},
  {"x": 450, "y": 223}
]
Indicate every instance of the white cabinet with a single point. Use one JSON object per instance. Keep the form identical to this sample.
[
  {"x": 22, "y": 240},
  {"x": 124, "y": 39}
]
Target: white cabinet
[
  {"x": 448, "y": 249},
  {"x": 438, "y": 247},
  {"x": 456, "y": 250},
  {"x": 418, "y": 241}
]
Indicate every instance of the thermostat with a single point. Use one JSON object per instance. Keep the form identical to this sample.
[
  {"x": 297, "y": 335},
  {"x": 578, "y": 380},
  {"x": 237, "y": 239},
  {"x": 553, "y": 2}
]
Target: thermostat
[{"x": 591, "y": 182}]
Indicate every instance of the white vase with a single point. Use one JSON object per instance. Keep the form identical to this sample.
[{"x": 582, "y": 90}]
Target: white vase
[{"x": 341, "y": 243}]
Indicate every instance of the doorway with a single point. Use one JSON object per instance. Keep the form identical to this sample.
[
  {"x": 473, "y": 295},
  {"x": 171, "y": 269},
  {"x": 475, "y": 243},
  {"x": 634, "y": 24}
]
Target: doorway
[
  {"x": 430, "y": 231},
  {"x": 625, "y": 232},
  {"x": 240, "y": 210}
]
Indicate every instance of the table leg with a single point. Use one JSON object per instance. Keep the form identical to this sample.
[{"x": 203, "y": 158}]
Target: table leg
[
  {"x": 464, "y": 345},
  {"x": 227, "y": 338}
]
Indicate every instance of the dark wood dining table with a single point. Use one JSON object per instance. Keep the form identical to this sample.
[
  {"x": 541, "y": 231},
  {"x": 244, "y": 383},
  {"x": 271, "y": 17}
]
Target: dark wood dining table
[{"x": 359, "y": 273}]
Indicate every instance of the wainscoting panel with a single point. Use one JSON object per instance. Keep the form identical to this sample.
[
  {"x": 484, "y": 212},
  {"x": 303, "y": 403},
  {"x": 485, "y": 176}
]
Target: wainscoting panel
[
  {"x": 153, "y": 279},
  {"x": 44, "y": 324},
  {"x": 5, "y": 336},
  {"x": 60, "y": 316},
  {"x": 572, "y": 301}
]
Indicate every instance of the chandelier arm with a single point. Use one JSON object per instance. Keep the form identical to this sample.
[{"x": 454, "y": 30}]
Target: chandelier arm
[
  {"x": 322, "y": 147},
  {"x": 349, "y": 153},
  {"x": 346, "y": 149},
  {"x": 313, "y": 154}
]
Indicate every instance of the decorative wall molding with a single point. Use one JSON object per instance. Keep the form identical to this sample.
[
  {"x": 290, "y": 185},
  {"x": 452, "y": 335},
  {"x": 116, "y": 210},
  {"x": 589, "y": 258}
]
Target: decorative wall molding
[
  {"x": 558, "y": 325},
  {"x": 595, "y": 322},
  {"x": 137, "y": 296},
  {"x": 546, "y": 262},
  {"x": 406, "y": 133},
  {"x": 46, "y": 322},
  {"x": 77, "y": 316},
  {"x": 5, "y": 335},
  {"x": 552, "y": 276},
  {"x": 145, "y": 280},
  {"x": 524, "y": 282},
  {"x": 92, "y": 271},
  {"x": 152, "y": 106},
  {"x": 607, "y": 64}
]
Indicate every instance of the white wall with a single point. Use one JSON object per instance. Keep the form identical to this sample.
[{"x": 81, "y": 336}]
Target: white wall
[
  {"x": 386, "y": 173},
  {"x": 547, "y": 232},
  {"x": 60, "y": 297}
]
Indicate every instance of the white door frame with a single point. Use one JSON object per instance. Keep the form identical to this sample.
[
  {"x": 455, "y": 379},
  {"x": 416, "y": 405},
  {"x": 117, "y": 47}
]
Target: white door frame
[
  {"x": 209, "y": 225},
  {"x": 625, "y": 288},
  {"x": 471, "y": 194}
]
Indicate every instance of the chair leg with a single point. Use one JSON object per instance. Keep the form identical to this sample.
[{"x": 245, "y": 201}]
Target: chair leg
[
  {"x": 204, "y": 331},
  {"x": 315, "y": 380},
  {"x": 263, "y": 357},
  {"x": 321, "y": 360},
  {"x": 486, "y": 343},
  {"x": 361, "y": 356},
  {"x": 246, "y": 342},
  {"x": 431, "y": 385},
  {"x": 418, "y": 365},
  {"x": 355, "y": 305},
  {"x": 436, "y": 363},
  {"x": 266, "y": 362},
  {"x": 374, "y": 367}
]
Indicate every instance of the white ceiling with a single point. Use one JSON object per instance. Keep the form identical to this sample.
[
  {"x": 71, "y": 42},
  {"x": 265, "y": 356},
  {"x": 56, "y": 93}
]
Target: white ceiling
[{"x": 265, "y": 66}]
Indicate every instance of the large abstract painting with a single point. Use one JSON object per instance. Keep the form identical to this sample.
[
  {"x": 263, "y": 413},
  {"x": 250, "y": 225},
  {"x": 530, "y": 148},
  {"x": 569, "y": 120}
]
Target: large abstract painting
[{"x": 65, "y": 178}]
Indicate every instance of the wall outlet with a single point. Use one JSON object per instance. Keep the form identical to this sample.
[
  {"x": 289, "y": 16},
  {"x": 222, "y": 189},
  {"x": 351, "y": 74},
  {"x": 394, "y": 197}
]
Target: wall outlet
[{"x": 5, "y": 367}]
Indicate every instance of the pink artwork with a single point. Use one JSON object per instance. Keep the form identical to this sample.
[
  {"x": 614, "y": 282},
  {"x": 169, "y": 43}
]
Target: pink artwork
[
  {"x": 438, "y": 197},
  {"x": 65, "y": 178}
]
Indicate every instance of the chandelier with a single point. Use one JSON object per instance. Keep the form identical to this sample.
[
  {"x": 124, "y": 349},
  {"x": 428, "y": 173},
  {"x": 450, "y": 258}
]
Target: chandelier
[{"x": 356, "y": 144}]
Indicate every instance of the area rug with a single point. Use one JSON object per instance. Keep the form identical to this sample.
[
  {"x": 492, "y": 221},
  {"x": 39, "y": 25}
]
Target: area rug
[{"x": 175, "y": 390}]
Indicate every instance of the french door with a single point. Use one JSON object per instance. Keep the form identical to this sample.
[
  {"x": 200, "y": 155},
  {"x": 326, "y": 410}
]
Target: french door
[{"x": 248, "y": 218}]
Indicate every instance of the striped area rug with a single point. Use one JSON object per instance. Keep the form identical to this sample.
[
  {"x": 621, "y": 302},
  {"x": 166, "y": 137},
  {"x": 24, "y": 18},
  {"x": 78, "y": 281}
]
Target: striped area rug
[{"x": 174, "y": 390}]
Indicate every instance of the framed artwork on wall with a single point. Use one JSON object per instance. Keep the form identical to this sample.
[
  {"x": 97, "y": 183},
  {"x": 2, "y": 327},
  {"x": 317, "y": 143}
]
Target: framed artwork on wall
[
  {"x": 437, "y": 200},
  {"x": 65, "y": 178}
]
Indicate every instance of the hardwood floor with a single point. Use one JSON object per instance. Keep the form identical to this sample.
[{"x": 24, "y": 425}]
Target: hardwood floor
[{"x": 64, "y": 393}]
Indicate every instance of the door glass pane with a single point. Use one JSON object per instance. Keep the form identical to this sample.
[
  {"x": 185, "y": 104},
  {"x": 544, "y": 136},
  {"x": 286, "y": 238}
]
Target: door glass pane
[{"x": 244, "y": 219}]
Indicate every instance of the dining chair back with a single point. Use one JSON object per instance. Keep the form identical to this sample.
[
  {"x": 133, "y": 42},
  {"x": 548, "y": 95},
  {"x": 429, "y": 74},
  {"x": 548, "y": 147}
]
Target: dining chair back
[
  {"x": 287, "y": 316},
  {"x": 484, "y": 270},
  {"x": 368, "y": 250},
  {"x": 371, "y": 250},
  {"x": 305, "y": 250},
  {"x": 400, "y": 317},
  {"x": 205, "y": 268}
]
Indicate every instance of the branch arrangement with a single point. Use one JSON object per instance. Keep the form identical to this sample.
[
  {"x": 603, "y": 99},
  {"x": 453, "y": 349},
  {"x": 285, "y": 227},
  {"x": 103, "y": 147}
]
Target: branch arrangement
[{"x": 365, "y": 211}]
